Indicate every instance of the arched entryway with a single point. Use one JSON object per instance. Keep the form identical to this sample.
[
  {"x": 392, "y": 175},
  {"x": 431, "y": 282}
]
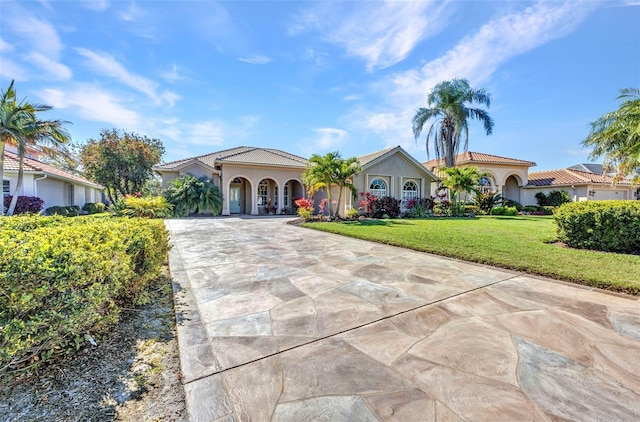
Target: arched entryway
[
  {"x": 292, "y": 190},
  {"x": 511, "y": 189},
  {"x": 240, "y": 196},
  {"x": 267, "y": 197}
]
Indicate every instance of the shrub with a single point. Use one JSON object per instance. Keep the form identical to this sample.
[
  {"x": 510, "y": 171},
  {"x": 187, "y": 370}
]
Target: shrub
[
  {"x": 94, "y": 207},
  {"x": 63, "y": 279},
  {"x": 554, "y": 199},
  {"x": 471, "y": 209},
  {"x": 504, "y": 211},
  {"x": 511, "y": 203},
  {"x": 351, "y": 213},
  {"x": 420, "y": 207},
  {"x": 143, "y": 207},
  {"x": 386, "y": 205},
  {"x": 191, "y": 195},
  {"x": 25, "y": 204},
  {"x": 487, "y": 200},
  {"x": 304, "y": 208},
  {"x": 65, "y": 211},
  {"x": 548, "y": 210},
  {"x": 610, "y": 226},
  {"x": 530, "y": 208}
]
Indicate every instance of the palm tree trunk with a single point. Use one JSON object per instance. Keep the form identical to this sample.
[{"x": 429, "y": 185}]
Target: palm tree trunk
[
  {"x": 16, "y": 192},
  {"x": 337, "y": 213}
]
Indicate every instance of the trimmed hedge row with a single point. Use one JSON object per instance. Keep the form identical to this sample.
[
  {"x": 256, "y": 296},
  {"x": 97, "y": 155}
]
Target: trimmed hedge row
[
  {"x": 610, "y": 226},
  {"x": 64, "y": 280}
]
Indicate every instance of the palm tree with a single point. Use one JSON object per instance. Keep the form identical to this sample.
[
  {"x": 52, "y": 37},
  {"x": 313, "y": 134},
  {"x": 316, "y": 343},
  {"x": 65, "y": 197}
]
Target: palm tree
[
  {"x": 616, "y": 135},
  {"x": 345, "y": 171},
  {"x": 321, "y": 174},
  {"x": 448, "y": 106},
  {"x": 49, "y": 135},
  {"x": 189, "y": 194},
  {"x": 460, "y": 179},
  {"x": 13, "y": 116}
]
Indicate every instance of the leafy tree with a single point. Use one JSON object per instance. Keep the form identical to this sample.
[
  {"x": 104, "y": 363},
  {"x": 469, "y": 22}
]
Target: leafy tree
[
  {"x": 121, "y": 161},
  {"x": 49, "y": 135},
  {"x": 13, "y": 115},
  {"x": 189, "y": 195},
  {"x": 616, "y": 135},
  {"x": 460, "y": 179},
  {"x": 345, "y": 171},
  {"x": 447, "y": 104}
]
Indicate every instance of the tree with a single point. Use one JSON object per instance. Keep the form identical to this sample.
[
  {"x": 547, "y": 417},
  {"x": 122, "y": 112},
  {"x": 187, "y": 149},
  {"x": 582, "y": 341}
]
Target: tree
[
  {"x": 345, "y": 171},
  {"x": 13, "y": 115},
  {"x": 121, "y": 161},
  {"x": 457, "y": 180},
  {"x": 49, "y": 135},
  {"x": 616, "y": 136},
  {"x": 189, "y": 194},
  {"x": 321, "y": 173},
  {"x": 447, "y": 104}
]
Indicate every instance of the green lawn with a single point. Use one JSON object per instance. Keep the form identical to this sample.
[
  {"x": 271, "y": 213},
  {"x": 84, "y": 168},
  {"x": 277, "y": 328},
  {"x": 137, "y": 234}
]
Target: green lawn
[{"x": 520, "y": 243}]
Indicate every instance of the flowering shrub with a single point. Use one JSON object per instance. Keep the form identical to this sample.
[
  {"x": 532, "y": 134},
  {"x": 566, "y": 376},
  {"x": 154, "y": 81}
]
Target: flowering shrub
[
  {"x": 25, "y": 204},
  {"x": 386, "y": 205},
  {"x": 367, "y": 203},
  {"x": 352, "y": 214},
  {"x": 321, "y": 206},
  {"x": 304, "y": 207}
]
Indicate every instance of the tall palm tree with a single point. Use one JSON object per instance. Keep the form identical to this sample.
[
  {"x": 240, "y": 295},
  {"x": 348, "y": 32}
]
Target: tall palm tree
[
  {"x": 343, "y": 178},
  {"x": 616, "y": 135},
  {"x": 49, "y": 135},
  {"x": 447, "y": 104},
  {"x": 13, "y": 115},
  {"x": 321, "y": 173}
]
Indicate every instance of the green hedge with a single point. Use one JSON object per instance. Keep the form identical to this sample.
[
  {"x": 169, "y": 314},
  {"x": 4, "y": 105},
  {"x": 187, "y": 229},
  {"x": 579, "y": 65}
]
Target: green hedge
[
  {"x": 63, "y": 280},
  {"x": 611, "y": 226}
]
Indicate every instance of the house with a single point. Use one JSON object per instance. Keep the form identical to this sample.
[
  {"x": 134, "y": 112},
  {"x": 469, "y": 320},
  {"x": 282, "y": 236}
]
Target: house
[
  {"x": 507, "y": 176},
  {"x": 511, "y": 178},
  {"x": 54, "y": 186},
  {"x": 253, "y": 179}
]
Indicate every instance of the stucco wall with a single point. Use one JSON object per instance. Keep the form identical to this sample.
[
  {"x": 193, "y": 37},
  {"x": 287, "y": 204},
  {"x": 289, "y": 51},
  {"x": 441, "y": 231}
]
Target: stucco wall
[{"x": 395, "y": 171}]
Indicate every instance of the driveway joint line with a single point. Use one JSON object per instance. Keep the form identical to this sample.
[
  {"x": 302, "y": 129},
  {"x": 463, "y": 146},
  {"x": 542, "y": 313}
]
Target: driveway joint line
[{"x": 353, "y": 328}]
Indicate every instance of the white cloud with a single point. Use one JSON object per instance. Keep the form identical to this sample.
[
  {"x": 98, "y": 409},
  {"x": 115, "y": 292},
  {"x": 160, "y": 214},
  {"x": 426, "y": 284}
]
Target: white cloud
[
  {"x": 95, "y": 5},
  {"x": 12, "y": 70},
  {"x": 5, "y": 46},
  {"x": 93, "y": 104},
  {"x": 329, "y": 138},
  {"x": 53, "y": 68},
  {"x": 172, "y": 75},
  {"x": 476, "y": 58},
  {"x": 255, "y": 59},
  {"x": 107, "y": 65},
  {"x": 170, "y": 97},
  {"x": 382, "y": 33},
  {"x": 204, "y": 133}
]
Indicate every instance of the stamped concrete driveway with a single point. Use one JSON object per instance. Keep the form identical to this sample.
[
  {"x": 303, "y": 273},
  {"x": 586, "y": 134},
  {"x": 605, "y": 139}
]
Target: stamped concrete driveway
[{"x": 276, "y": 322}]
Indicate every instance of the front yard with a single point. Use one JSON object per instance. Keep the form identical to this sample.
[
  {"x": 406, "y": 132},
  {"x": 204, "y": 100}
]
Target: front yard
[{"x": 522, "y": 243}]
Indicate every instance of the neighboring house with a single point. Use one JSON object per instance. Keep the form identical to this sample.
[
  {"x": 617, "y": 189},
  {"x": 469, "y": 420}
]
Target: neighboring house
[
  {"x": 505, "y": 175},
  {"x": 511, "y": 178},
  {"x": 252, "y": 178},
  {"x": 583, "y": 182},
  {"x": 54, "y": 186}
]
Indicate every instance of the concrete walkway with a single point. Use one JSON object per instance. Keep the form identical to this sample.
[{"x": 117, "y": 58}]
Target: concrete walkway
[{"x": 280, "y": 323}]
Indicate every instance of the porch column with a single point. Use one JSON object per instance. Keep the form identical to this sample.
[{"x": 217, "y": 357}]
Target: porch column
[
  {"x": 225, "y": 197},
  {"x": 280, "y": 197},
  {"x": 254, "y": 198}
]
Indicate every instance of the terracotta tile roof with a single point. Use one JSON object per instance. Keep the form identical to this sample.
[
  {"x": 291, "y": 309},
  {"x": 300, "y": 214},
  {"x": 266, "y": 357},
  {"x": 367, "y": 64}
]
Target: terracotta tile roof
[
  {"x": 569, "y": 177},
  {"x": 470, "y": 157},
  {"x": 35, "y": 166},
  {"x": 245, "y": 155}
]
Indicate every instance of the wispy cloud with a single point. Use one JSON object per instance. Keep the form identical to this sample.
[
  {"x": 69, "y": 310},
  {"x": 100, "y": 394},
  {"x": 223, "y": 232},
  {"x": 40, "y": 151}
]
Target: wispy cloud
[
  {"x": 40, "y": 46},
  {"x": 5, "y": 46},
  {"x": 329, "y": 138},
  {"x": 95, "y": 5},
  {"x": 107, "y": 65},
  {"x": 172, "y": 75},
  {"x": 255, "y": 59},
  {"x": 382, "y": 33},
  {"x": 476, "y": 57},
  {"x": 92, "y": 103}
]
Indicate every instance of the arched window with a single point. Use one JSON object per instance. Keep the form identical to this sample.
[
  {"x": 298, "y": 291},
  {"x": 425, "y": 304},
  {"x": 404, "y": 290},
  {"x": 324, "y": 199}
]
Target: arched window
[
  {"x": 378, "y": 188},
  {"x": 263, "y": 193},
  {"x": 484, "y": 184},
  {"x": 409, "y": 191}
]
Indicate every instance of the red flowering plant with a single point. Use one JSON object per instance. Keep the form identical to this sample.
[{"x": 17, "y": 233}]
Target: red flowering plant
[
  {"x": 304, "y": 207},
  {"x": 367, "y": 203},
  {"x": 321, "y": 206}
]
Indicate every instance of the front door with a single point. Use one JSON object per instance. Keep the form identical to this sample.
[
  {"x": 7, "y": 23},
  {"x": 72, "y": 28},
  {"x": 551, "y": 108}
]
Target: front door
[{"x": 234, "y": 200}]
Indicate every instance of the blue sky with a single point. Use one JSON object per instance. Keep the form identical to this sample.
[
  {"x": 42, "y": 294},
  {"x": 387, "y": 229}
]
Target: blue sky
[{"x": 312, "y": 77}]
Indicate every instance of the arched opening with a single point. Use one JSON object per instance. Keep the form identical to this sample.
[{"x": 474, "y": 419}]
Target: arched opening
[
  {"x": 239, "y": 196},
  {"x": 292, "y": 190},
  {"x": 511, "y": 189},
  {"x": 267, "y": 199},
  {"x": 485, "y": 185},
  {"x": 409, "y": 191},
  {"x": 378, "y": 188}
]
